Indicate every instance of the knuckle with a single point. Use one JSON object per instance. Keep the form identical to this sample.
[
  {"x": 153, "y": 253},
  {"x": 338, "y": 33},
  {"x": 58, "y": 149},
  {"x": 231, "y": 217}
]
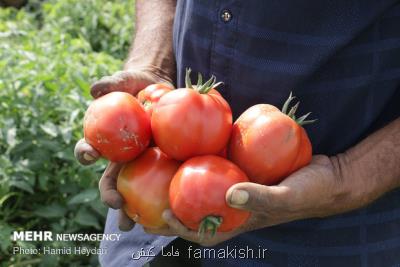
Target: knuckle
[
  {"x": 108, "y": 199},
  {"x": 103, "y": 198},
  {"x": 122, "y": 75}
]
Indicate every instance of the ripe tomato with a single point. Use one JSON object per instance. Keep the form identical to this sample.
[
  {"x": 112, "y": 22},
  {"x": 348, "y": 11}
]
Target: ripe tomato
[
  {"x": 305, "y": 152},
  {"x": 144, "y": 184},
  {"x": 268, "y": 144},
  {"x": 197, "y": 194},
  {"x": 117, "y": 126},
  {"x": 192, "y": 121},
  {"x": 150, "y": 95}
]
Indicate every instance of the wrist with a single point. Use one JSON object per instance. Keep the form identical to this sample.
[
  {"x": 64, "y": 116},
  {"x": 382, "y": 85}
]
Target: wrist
[{"x": 353, "y": 191}]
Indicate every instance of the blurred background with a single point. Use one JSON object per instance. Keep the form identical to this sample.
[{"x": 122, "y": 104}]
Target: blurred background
[{"x": 50, "y": 53}]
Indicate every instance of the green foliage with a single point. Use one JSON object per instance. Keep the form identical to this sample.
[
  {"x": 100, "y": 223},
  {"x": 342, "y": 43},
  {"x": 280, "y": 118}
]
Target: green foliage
[{"x": 50, "y": 53}]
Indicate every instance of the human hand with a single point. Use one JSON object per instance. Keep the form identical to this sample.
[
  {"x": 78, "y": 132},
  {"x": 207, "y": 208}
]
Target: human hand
[
  {"x": 130, "y": 81},
  {"x": 317, "y": 190}
]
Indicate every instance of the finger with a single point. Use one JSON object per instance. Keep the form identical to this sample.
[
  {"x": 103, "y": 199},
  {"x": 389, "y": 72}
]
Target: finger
[
  {"x": 108, "y": 186},
  {"x": 177, "y": 228},
  {"x": 85, "y": 153},
  {"x": 124, "y": 222},
  {"x": 123, "y": 81},
  {"x": 256, "y": 197},
  {"x": 103, "y": 86}
]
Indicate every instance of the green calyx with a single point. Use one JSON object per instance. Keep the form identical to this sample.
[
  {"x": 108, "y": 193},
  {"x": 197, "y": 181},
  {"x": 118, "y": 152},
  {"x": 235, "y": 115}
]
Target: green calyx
[
  {"x": 200, "y": 87},
  {"x": 147, "y": 103},
  {"x": 291, "y": 113},
  {"x": 209, "y": 224}
]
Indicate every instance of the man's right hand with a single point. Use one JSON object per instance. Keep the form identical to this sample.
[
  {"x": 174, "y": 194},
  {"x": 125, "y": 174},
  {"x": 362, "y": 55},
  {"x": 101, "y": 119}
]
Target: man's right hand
[{"x": 132, "y": 82}]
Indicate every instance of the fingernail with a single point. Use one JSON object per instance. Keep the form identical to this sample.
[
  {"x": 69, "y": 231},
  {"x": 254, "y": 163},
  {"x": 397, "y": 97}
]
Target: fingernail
[
  {"x": 88, "y": 157},
  {"x": 166, "y": 215},
  {"x": 135, "y": 218},
  {"x": 239, "y": 197}
]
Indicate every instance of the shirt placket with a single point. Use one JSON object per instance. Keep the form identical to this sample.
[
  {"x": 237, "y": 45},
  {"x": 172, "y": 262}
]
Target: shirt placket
[{"x": 224, "y": 42}]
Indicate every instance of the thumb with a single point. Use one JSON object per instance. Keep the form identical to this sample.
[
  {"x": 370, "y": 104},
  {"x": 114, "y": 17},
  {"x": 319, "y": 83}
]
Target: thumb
[{"x": 255, "y": 197}]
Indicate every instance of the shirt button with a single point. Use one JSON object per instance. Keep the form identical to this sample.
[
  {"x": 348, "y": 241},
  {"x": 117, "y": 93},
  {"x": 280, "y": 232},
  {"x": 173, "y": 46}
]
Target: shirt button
[{"x": 226, "y": 15}]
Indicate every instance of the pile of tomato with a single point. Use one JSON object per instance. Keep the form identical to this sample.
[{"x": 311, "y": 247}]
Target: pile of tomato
[{"x": 182, "y": 151}]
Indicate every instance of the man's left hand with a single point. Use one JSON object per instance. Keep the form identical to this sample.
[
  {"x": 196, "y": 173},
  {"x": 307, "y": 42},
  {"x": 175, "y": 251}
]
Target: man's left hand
[{"x": 317, "y": 190}]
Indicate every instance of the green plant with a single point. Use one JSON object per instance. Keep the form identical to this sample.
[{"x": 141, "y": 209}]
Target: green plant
[{"x": 50, "y": 53}]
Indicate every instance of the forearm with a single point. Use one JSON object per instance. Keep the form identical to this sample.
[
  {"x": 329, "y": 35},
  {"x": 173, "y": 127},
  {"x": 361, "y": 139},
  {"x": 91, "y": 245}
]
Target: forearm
[
  {"x": 372, "y": 167},
  {"x": 152, "y": 48}
]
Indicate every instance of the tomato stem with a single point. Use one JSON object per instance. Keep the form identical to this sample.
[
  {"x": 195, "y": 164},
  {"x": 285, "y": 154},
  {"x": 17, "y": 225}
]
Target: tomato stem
[
  {"x": 188, "y": 81},
  {"x": 209, "y": 224},
  {"x": 291, "y": 113},
  {"x": 147, "y": 103},
  {"x": 199, "y": 80},
  {"x": 200, "y": 87}
]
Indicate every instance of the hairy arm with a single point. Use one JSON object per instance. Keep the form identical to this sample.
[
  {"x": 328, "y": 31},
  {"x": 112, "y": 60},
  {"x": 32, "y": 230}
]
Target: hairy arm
[
  {"x": 152, "y": 48},
  {"x": 372, "y": 167}
]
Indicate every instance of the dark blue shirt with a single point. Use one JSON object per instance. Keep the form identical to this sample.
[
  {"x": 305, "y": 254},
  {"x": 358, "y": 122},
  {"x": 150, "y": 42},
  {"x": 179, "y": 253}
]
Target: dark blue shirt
[{"x": 342, "y": 60}]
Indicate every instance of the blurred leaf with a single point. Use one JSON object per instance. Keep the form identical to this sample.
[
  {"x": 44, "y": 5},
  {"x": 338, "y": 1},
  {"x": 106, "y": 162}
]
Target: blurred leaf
[
  {"x": 84, "y": 196},
  {"x": 54, "y": 210},
  {"x": 5, "y": 234},
  {"x": 73, "y": 116},
  {"x": 11, "y": 134},
  {"x": 49, "y": 260},
  {"x": 83, "y": 85},
  {"x": 43, "y": 181},
  {"x": 6, "y": 197},
  {"x": 66, "y": 133},
  {"x": 65, "y": 155},
  {"x": 99, "y": 207},
  {"x": 87, "y": 218},
  {"x": 50, "y": 129},
  {"x": 51, "y": 86},
  {"x": 50, "y": 145},
  {"x": 22, "y": 184}
]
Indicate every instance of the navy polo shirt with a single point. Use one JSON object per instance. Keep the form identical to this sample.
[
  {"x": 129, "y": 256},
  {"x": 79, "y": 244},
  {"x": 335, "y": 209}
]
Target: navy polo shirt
[{"x": 342, "y": 60}]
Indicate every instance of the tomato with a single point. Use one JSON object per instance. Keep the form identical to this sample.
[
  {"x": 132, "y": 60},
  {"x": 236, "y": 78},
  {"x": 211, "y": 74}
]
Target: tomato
[
  {"x": 197, "y": 194},
  {"x": 144, "y": 185},
  {"x": 268, "y": 144},
  {"x": 305, "y": 152},
  {"x": 223, "y": 153},
  {"x": 192, "y": 121},
  {"x": 117, "y": 126},
  {"x": 150, "y": 95}
]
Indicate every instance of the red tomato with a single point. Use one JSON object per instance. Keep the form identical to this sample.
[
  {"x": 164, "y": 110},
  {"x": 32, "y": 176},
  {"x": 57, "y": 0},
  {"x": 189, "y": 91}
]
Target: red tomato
[
  {"x": 305, "y": 152},
  {"x": 117, "y": 126},
  {"x": 144, "y": 185},
  {"x": 197, "y": 194},
  {"x": 268, "y": 145},
  {"x": 150, "y": 95},
  {"x": 223, "y": 153},
  {"x": 192, "y": 121}
]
